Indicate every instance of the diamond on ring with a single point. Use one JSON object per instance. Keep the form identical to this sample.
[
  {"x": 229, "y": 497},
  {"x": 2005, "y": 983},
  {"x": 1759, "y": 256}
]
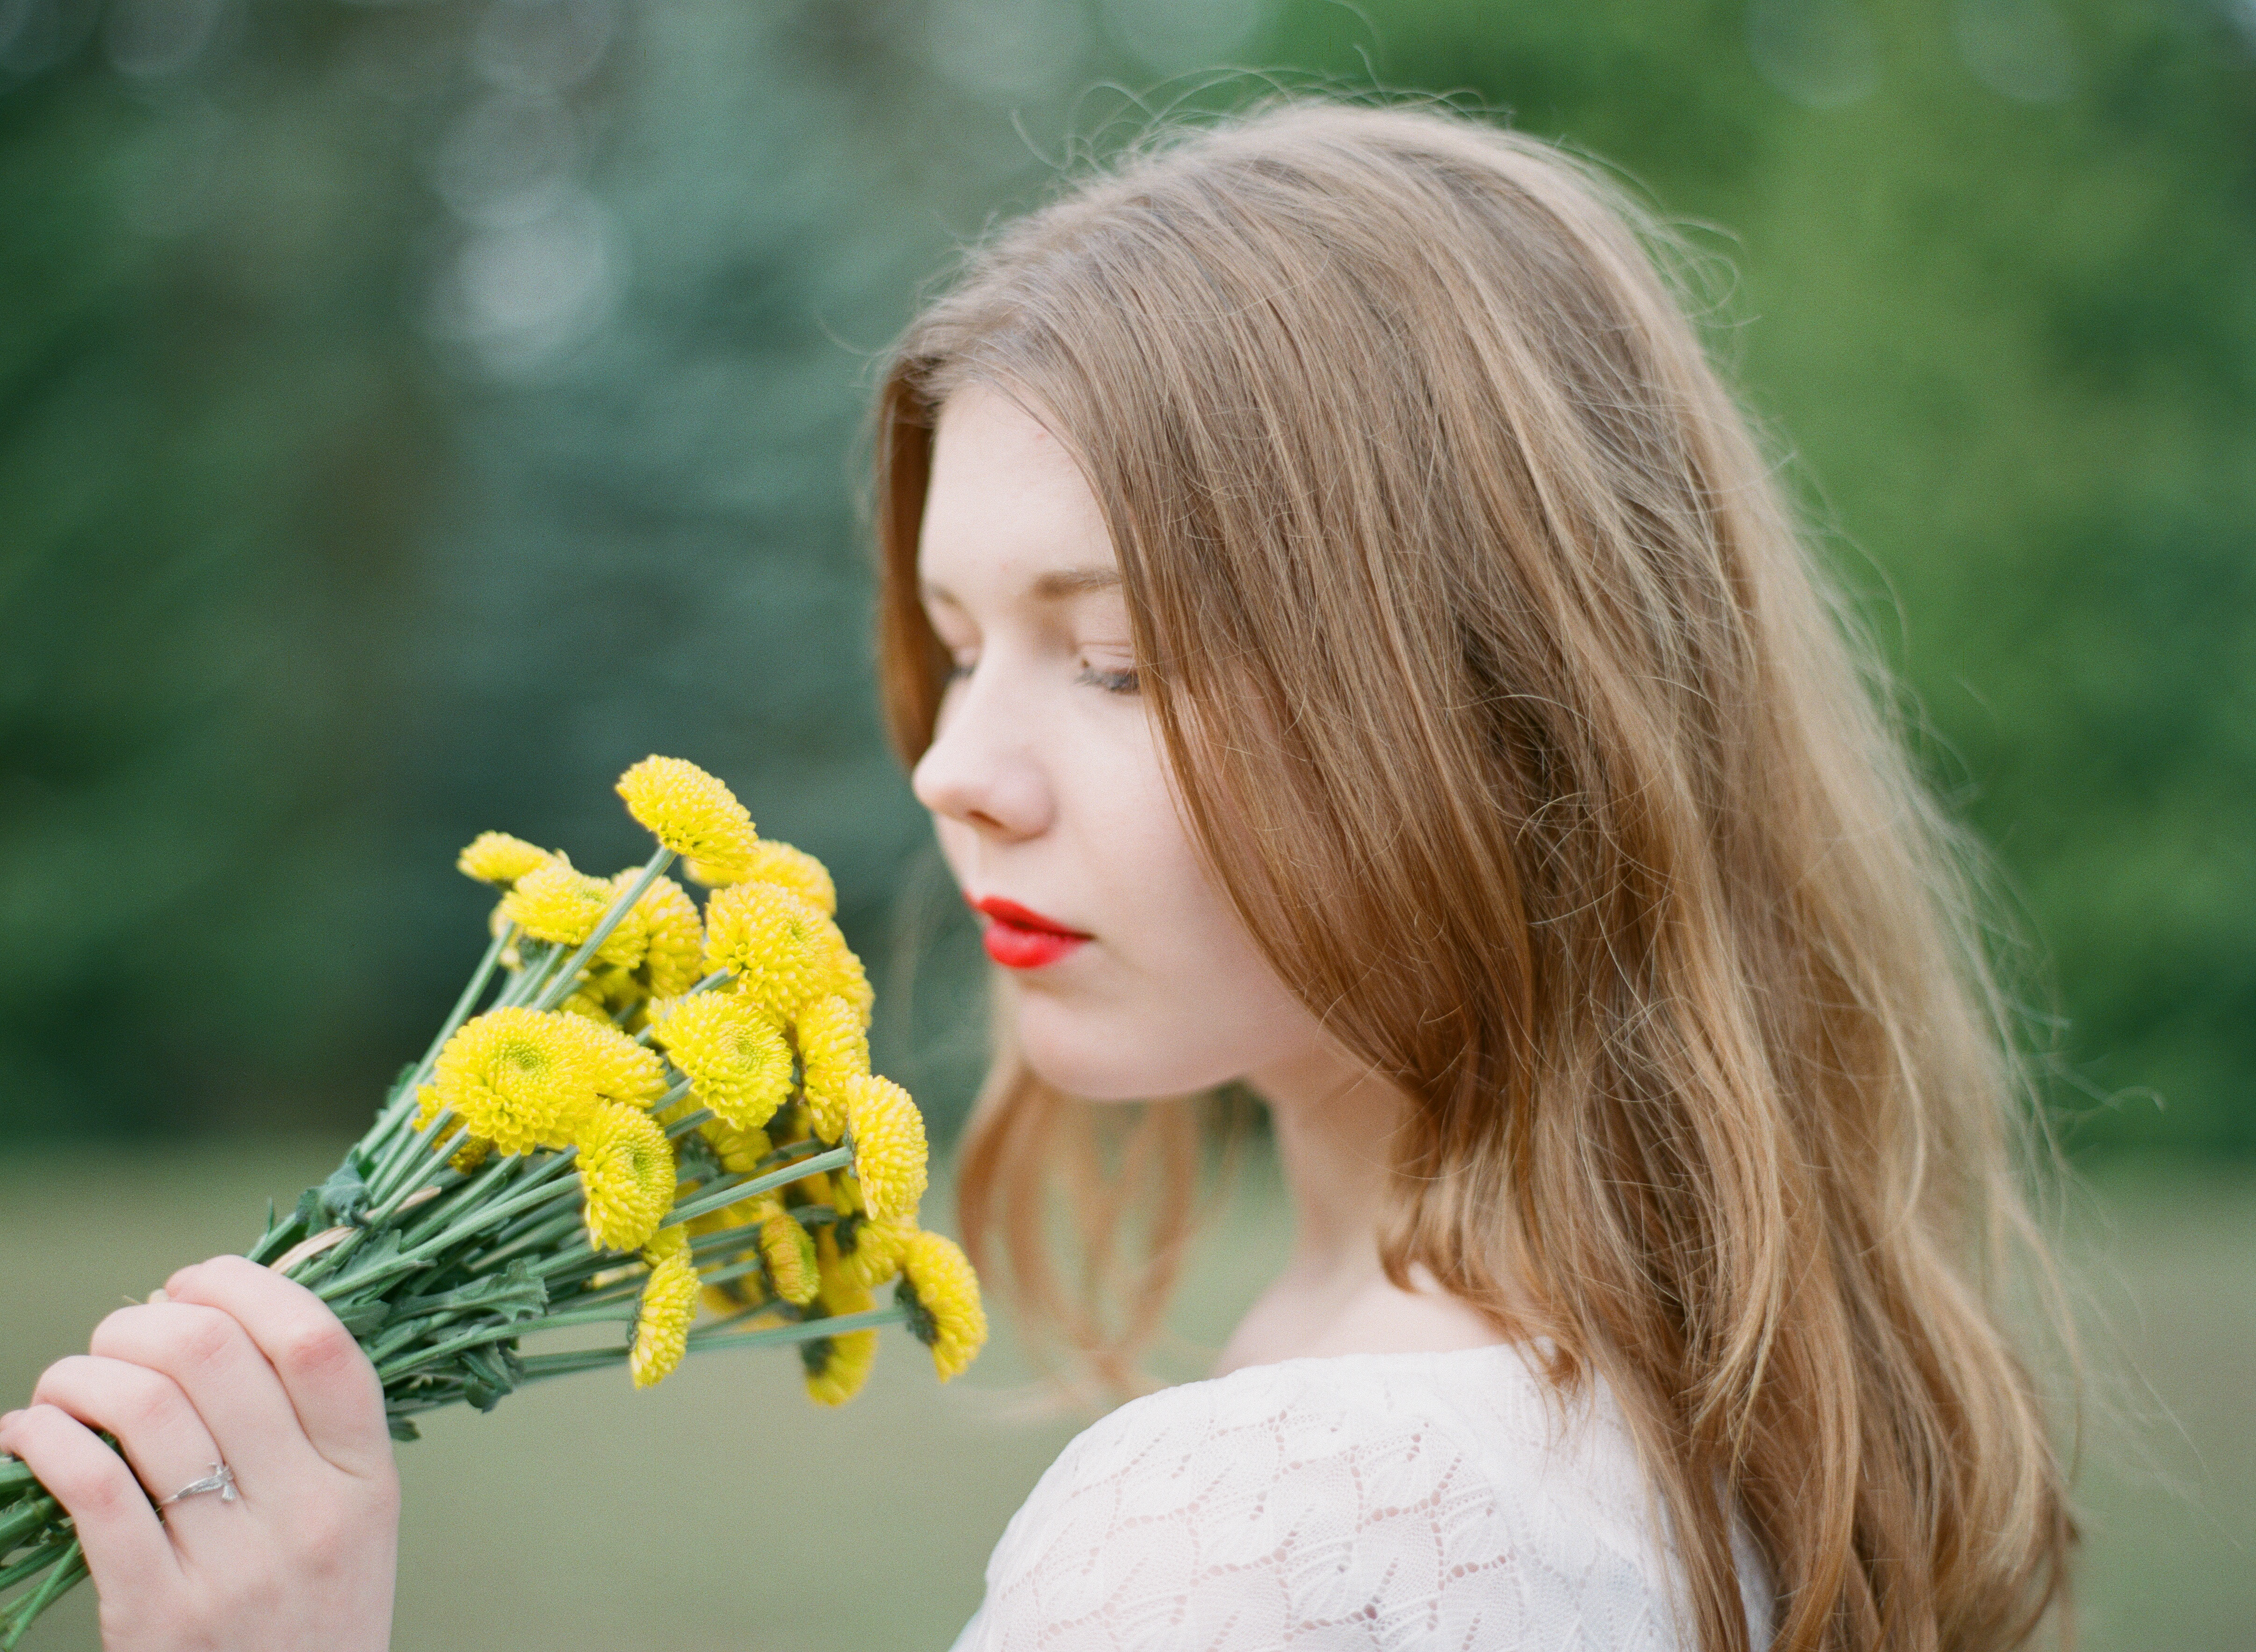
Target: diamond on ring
[{"x": 221, "y": 1480}]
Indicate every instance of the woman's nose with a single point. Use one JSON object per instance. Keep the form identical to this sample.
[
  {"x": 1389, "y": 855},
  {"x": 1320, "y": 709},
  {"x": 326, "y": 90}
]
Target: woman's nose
[{"x": 981, "y": 769}]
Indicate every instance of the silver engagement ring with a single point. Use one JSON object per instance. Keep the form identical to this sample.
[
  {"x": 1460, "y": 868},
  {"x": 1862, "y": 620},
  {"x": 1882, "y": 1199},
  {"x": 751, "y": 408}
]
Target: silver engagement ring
[{"x": 221, "y": 1480}]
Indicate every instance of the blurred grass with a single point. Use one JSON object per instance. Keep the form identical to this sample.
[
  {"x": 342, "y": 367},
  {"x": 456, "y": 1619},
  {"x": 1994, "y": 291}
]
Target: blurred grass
[{"x": 743, "y": 1517}]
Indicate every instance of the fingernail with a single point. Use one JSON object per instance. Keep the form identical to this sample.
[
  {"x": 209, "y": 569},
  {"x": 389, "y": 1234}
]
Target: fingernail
[{"x": 158, "y": 1295}]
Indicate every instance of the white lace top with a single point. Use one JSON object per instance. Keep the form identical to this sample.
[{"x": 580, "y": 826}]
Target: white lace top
[{"x": 1422, "y": 1500}]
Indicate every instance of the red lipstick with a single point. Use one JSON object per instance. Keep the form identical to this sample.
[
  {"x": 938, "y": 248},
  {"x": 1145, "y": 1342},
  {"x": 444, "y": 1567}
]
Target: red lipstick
[{"x": 1019, "y": 938}]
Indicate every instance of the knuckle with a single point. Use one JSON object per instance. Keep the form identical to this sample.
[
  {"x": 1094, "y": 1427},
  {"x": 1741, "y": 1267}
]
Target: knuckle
[
  {"x": 319, "y": 1346},
  {"x": 150, "y": 1404},
  {"x": 208, "y": 1338},
  {"x": 118, "y": 1328},
  {"x": 66, "y": 1375}
]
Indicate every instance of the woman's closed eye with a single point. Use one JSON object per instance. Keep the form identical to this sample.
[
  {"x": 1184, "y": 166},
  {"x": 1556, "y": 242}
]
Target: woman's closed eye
[{"x": 1120, "y": 681}]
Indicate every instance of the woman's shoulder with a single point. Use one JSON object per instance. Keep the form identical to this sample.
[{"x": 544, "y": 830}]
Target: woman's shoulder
[
  {"x": 1477, "y": 1413},
  {"x": 1350, "y": 1499}
]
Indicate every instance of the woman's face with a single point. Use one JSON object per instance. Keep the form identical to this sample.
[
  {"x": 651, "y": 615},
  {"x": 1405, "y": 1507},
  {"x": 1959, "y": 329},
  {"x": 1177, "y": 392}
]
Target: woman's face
[{"x": 1050, "y": 790}]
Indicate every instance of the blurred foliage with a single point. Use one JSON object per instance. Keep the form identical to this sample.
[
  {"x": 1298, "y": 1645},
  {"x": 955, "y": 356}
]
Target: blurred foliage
[{"x": 412, "y": 413}]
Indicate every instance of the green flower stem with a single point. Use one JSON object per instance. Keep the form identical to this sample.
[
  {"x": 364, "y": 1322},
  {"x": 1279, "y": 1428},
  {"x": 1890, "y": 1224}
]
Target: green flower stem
[
  {"x": 415, "y": 1172},
  {"x": 531, "y": 959},
  {"x": 550, "y": 996},
  {"x": 44, "y": 1555},
  {"x": 717, "y": 1336},
  {"x": 734, "y": 1271},
  {"x": 403, "y": 1365},
  {"x": 723, "y": 1194},
  {"x": 449, "y": 1212},
  {"x": 33, "y": 1512},
  {"x": 395, "y": 1174},
  {"x": 533, "y": 1238},
  {"x": 456, "y": 1017},
  {"x": 413, "y": 1257},
  {"x": 707, "y": 1246},
  {"x": 68, "y": 1570},
  {"x": 569, "y": 1363},
  {"x": 682, "y": 1126}
]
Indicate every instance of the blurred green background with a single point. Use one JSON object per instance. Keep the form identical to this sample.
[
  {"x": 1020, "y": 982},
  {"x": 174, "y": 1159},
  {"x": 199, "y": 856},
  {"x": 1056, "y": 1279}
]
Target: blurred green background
[{"x": 412, "y": 412}]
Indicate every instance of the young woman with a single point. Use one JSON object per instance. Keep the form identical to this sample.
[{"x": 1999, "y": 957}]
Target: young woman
[{"x": 1352, "y": 649}]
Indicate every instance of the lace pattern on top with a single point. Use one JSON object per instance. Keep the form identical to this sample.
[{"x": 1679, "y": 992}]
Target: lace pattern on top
[{"x": 1367, "y": 1501}]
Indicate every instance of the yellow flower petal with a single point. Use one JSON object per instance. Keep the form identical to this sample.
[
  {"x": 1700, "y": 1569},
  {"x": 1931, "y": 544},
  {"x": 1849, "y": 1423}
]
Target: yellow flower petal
[
  {"x": 736, "y": 1061},
  {"x": 887, "y": 1132},
  {"x": 837, "y": 1367},
  {"x": 869, "y": 1249},
  {"x": 788, "y": 1250},
  {"x": 674, "y": 960},
  {"x": 688, "y": 811},
  {"x": 622, "y": 1070},
  {"x": 775, "y": 862},
  {"x": 833, "y": 1052},
  {"x": 669, "y": 1305},
  {"x": 781, "y": 949},
  {"x": 553, "y": 903},
  {"x": 499, "y": 859},
  {"x": 626, "y": 1171},
  {"x": 519, "y": 1078},
  {"x": 941, "y": 1294},
  {"x": 739, "y": 1151}
]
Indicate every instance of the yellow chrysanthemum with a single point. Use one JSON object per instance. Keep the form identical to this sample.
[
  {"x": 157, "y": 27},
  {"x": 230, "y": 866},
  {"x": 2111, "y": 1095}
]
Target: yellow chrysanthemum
[
  {"x": 499, "y": 859},
  {"x": 676, "y": 959},
  {"x": 941, "y": 1295},
  {"x": 475, "y": 1149},
  {"x": 789, "y": 1249},
  {"x": 889, "y": 1147},
  {"x": 587, "y": 1006},
  {"x": 622, "y": 1070},
  {"x": 746, "y": 1213},
  {"x": 627, "y": 1171},
  {"x": 850, "y": 981},
  {"x": 869, "y": 1249},
  {"x": 739, "y": 1151},
  {"x": 553, "y": 903},
  {"x": 782, "y": 949},
  {"x": 833, "y": 1052},
  {"x": 615, "y": 988},
  {"x": 669, "y": 1304},
  {"x": 775, "y": 862},
  {"x": 689, "y": 811},
  {"x": 836, "y": 1367},
  {"x": 736, "y": 1061},
  {"x": 519, "y": 1078}
]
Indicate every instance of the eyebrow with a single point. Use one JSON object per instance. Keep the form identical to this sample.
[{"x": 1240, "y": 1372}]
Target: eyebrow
[
  {"x": 1055, "y": 586},
  {"x": 1063, "y": 582}
]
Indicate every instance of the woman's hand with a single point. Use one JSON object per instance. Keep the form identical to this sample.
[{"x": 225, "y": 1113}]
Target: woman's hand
[{"x": 231, "y": 1364}]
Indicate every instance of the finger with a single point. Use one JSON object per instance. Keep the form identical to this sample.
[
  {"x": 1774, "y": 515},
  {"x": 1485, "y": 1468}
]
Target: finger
[
  {"x": 224, "y": 1376},
  {"x": 126, "y": 1550},
  {"x": 163, "y": 1439},
  {"x": 339, "y": 1401}
]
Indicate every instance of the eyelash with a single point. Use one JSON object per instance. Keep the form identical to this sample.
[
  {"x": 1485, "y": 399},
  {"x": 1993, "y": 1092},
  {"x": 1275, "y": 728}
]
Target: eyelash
[{"x": 1110, "y": 682}]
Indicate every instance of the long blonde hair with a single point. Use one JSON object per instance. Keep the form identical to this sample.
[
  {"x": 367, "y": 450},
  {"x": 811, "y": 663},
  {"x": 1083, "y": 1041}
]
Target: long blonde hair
[{"x": 1536, "y": 752}]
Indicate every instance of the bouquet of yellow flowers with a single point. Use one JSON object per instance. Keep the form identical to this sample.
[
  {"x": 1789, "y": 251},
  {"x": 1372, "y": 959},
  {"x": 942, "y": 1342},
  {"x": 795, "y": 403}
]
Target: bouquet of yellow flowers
[{"x": 635, "y": 1109}]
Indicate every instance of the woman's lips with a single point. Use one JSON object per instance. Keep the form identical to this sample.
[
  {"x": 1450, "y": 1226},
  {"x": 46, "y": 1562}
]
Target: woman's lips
[{"x": 1019, "y": 938}]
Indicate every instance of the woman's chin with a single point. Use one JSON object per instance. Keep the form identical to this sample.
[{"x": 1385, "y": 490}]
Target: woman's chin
[{"x": 1100, "y": 1059}]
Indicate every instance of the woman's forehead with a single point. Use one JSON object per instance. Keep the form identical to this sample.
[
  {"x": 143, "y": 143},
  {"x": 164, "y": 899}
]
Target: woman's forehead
[{"x": 1008, "y": 512}]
